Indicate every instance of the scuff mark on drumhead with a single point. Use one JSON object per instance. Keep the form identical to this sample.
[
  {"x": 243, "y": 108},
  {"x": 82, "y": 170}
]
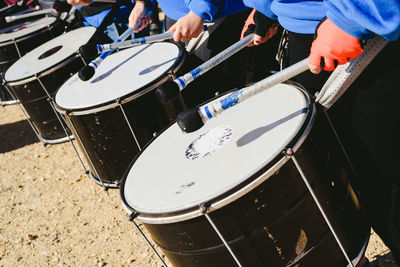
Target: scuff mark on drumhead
[
  {"x": 209, "y": 142},
  {"x": 184, "y": 187}
]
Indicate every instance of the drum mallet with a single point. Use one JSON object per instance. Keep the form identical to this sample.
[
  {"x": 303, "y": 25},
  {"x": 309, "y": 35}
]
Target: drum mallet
[
  {"x": 89, "y": 70},
  {"x": 169, "y": 90},
  {"x": 92, "y": 50},
  {"x": 193, "y": 119},
  {"x": 8, "y": 19}
]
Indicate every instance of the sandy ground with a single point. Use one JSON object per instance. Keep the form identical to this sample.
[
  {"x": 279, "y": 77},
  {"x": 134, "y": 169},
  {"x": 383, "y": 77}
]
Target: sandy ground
[{"x": 52, "y": 214}]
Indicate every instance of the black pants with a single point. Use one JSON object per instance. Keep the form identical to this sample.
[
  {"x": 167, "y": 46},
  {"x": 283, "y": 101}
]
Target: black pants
[{"x": 367, "y": 119}]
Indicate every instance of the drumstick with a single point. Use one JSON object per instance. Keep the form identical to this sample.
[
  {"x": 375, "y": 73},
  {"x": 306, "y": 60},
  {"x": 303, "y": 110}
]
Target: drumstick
[
  {"x": 170, "y": 89},
  {"x": 89, "y": 70},
  {"x": 91, "y": 50},
  {"x": 193, "y": 119},
  {"x": 8, "y": 19}
]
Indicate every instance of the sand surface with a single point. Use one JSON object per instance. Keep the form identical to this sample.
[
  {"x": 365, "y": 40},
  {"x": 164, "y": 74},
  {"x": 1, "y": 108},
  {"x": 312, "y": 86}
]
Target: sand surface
[{"x": 52, "y": 214}]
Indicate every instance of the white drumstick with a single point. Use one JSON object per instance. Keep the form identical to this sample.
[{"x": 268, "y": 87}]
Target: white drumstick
[
  {"x": 9, "y": 19},
  {"x": 170, "y": 89},
  {"x": 88, "y": 71},
  {"x": 193, "y": 119},
  {"x": 91, "y": 50}
]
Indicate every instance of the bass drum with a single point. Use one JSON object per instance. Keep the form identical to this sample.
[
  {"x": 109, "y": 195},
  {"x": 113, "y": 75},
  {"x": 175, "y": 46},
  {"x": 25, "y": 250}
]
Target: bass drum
[
  {"x": 116, "y": 113},
  {"x": 19, "y": 39},
  {"x": 232, "y": 178},
  {"x": 35, "y": 77}
]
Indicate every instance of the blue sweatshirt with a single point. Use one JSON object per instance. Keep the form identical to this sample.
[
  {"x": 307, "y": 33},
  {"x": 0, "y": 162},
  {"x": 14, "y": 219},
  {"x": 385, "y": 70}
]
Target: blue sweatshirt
[
  {"x": 360, "y": 18},
  {"x": 209, "y": 10}
]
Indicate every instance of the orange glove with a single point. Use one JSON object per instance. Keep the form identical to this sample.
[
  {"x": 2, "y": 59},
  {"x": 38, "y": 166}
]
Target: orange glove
[{"x": 332, "y": 46}]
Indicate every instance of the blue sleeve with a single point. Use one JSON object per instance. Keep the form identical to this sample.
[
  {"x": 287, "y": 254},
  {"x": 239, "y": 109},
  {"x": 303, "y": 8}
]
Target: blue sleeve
[
  {"x": 205, "y": 9},
  {"x": 364, "y": 18},
  {"x": 263, "y": 6}
]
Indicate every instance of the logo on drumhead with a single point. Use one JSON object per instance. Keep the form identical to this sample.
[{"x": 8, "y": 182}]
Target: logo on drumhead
[{"x": 208, "y": 143}]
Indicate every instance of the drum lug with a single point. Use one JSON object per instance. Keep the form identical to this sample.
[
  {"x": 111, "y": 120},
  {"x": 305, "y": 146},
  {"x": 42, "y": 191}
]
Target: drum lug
[
  {"x": 204, "y": 207},
  {"x": 133, "y": 215},
  {"x": 288, "y": 152}
]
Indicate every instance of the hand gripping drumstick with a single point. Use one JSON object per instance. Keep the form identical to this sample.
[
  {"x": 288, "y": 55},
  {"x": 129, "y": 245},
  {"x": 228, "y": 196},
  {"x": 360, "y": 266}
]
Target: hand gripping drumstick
[
  {"x": 170, "y": 89},
  {"x": 91, "y": 50},
  {"x": 193, "y": 119},
  {"x": 88, "y": 71}
]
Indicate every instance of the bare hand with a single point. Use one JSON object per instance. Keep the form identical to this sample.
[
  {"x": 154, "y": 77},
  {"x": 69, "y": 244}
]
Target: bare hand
[
  {"x": 79, "y": 2},
  {"x": 187, "y": 27},
  {"x": 139, "y": 13}
]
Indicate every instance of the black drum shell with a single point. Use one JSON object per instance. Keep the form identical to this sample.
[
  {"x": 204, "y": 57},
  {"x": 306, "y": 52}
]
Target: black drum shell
[
  {"x": 36, "y": 101},
  {"x": 264, "y": 225},
  {"x": 9, "y": 54},
  {"x": 107, "y": 139}
]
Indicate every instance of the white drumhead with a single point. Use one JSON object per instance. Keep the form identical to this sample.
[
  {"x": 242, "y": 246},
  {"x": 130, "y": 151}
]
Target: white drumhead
[
  {"x": 178, "y": 171},
  {"x": 25, "y": 28},
  {"x": 49, "y": 54},
  {"x": 119, "y": 75}
]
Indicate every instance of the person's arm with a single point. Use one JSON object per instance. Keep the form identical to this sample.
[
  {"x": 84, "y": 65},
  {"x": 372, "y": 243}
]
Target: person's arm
[
  {"x": 139, "y": 12},
  {"x": 187, "y": 27}
]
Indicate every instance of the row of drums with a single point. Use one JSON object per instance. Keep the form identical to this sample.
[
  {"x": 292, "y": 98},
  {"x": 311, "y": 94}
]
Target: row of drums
[{"x": 229, "y": 194}]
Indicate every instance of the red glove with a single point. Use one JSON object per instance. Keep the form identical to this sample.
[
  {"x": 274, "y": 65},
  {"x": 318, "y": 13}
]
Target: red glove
[{"x": 334, "y": 46}]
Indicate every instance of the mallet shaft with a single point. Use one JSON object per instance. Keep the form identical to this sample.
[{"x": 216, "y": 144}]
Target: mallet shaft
[
  {"x": 217, "y": 106},
  {"x": 184, "y": 80},
  {"x": 135, "y": 42}
]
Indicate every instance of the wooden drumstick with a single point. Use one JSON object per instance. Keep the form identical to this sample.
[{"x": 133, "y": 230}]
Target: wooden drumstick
[
  {"x": 170, "y": 89},
  {"x": 193, "y": 119}
]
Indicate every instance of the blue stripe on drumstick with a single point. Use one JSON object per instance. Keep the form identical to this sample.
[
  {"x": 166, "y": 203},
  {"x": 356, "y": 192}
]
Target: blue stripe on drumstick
[
  {"x": 193, "y": 119},
  {"x": 87, "y": 72},
  {"x": 168, "y": 90}
]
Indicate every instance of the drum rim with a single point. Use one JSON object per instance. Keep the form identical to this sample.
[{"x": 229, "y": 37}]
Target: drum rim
[
  {"x": 130, "y": 96},
  {"x": 235, "y": 193},
  {"x": 47, "y": 71},
  {"x": 24, "y": 37}
]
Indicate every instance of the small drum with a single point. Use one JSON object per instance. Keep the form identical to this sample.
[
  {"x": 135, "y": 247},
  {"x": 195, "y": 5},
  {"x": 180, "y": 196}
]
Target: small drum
[
  {"x": 116, "y": 112},
  {"x": 230, "y": 185},
  {"x": 35, "y": 77},
  {"x": 17, "y": 40}
]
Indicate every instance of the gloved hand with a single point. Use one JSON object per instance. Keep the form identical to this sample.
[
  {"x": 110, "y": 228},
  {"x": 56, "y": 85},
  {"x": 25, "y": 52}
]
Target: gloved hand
[
  {"x": 332, "y": 46},
  {"x": 263, "y": 27}
]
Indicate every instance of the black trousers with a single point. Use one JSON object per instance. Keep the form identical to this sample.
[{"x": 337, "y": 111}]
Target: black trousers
[{"x": 367, "y": 119}]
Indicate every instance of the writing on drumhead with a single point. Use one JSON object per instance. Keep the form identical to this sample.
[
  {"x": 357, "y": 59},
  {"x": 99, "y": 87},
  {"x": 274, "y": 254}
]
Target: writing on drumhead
[{"x": 209, "y": 142}]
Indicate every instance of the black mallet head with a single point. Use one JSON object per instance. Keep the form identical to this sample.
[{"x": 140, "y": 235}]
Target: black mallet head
[
  {"x": 167, "y": 91},
  {"x": 88, "y": 50},
  {"x": 189, "y": 120},
  {"x": 86, "y": 73}
]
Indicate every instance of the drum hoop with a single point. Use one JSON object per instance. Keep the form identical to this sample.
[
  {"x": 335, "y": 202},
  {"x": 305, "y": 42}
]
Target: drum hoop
[
  {"x": 129, "y": 97},
  {"x": 32, "y": 34},
  {"x": 231, "y": 195},
  {"x": 45, "y": 72}
]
